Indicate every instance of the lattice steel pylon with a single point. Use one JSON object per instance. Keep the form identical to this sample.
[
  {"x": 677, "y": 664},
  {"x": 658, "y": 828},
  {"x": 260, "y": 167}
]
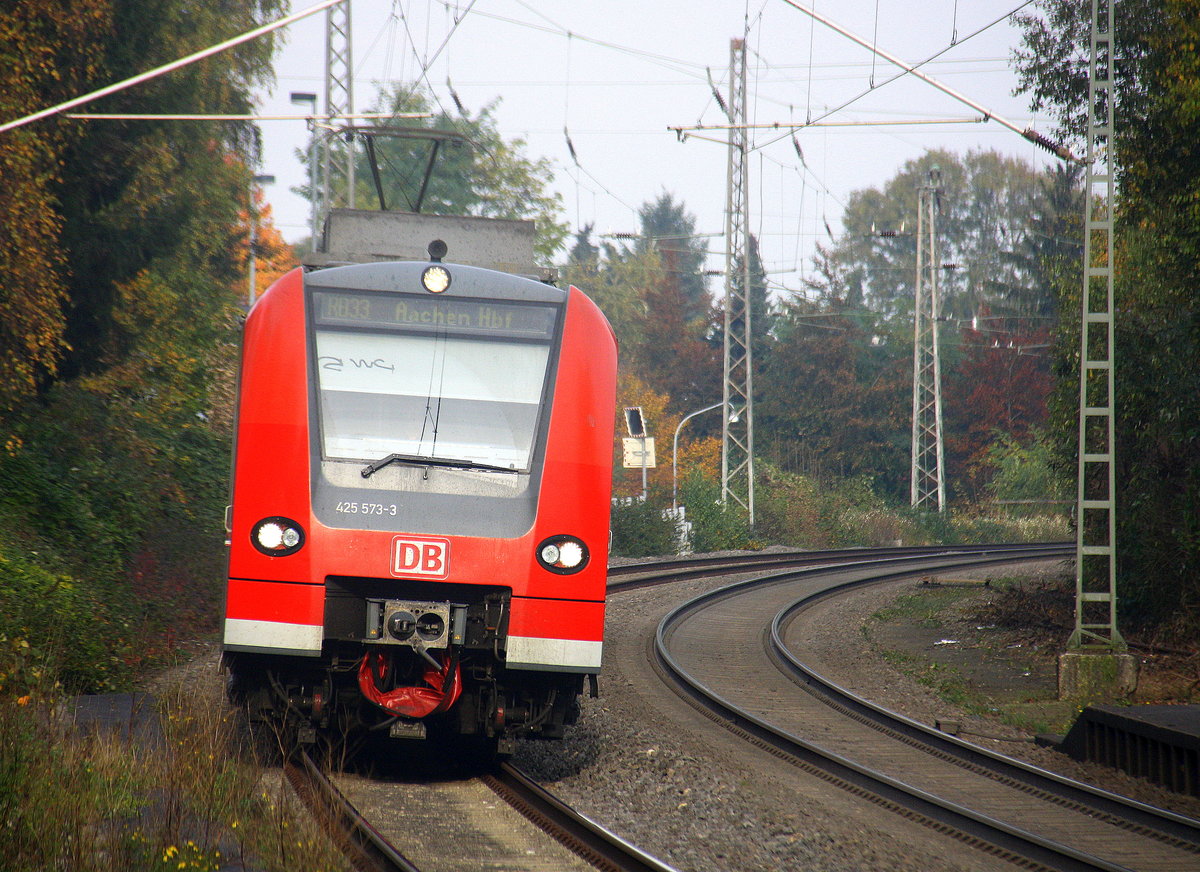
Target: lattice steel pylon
[
  {"x": 927, "y": 483},
  {"x": 1096, "y": 521},
  {"x": 737, "y": 430},
  {"x": 337, "y": 163}
]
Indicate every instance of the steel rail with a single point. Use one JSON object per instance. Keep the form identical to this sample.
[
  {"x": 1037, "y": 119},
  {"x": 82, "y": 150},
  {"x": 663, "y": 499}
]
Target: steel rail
[
  {"x": 678, "y": 569},
  {"x": 364, "y": 846},
  {"x": 967, "y": 824},
  {"x": 1179, "y": 830},
  {"x": 598, "y": 846},
  {"x": 367, "y": 849}
]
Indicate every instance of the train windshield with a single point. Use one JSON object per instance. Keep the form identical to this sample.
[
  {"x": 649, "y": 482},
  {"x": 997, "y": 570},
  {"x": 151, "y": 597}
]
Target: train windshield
[{"x": 433, "y": 378}]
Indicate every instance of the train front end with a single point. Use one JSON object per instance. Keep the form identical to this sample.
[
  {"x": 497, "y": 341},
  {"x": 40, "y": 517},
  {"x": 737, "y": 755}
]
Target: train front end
[{"x": 420, "y": 518}]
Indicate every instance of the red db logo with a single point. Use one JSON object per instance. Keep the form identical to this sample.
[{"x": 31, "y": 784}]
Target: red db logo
[{"x": 428, "y": 558}]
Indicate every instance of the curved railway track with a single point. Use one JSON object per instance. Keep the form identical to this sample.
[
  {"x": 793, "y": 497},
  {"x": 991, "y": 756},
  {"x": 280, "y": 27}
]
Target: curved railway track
[
  {"x": 736, "y": 654},
  {"x": 731, "y": 652}
]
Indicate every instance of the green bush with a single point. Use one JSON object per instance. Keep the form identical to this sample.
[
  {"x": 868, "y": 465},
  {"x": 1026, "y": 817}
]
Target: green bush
[
  {"x": 55, "y": 631},
  {"x": 1025, "y": 476},
  {"x": 715, "y": 527},
  {"x": 110, "y": 530},
  {"x": 641, "y": 528}
]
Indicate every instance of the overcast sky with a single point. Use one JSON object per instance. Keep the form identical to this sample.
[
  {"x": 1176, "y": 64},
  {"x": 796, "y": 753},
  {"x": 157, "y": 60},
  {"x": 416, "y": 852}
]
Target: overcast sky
[{"x": 618, "y": 73}]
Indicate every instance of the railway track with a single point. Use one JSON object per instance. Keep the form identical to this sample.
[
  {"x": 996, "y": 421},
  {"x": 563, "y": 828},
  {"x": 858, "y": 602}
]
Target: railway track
[
  {"x": 450, "y": 826},
  {"x": 630, "y": 576},
  {"x": 749, "y": 682},
  {"x": 364, "y": 845},
  {"x": 755, "y": 682}
]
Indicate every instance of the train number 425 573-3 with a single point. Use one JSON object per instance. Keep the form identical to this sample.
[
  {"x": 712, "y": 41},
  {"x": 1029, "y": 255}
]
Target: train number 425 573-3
[{"x": 351, "y": 508}]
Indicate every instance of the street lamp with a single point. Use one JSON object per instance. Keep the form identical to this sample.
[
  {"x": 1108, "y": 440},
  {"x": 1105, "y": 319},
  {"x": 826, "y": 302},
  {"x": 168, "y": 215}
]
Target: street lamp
[
  {"x": 300, "y": 98},
  {"x": 257, "y": 180},
  {"x": 733, "y": 417}
]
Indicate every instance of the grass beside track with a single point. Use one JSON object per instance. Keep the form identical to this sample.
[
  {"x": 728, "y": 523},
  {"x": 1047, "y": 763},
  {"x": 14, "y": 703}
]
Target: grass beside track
[
  {"x": 992, "y": 650},
  {"x": 194, "y": 799}
]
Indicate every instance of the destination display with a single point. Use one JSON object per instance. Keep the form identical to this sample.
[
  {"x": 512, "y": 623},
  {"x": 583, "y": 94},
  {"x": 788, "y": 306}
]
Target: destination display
[{"x": 431, "y": 313}]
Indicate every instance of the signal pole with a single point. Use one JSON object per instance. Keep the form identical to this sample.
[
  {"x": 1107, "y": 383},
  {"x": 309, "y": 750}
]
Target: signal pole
[
  {"x": 339, "y": 102},
  {"x": 928, "y": 485},
  {"x": 737, "y": 429}
]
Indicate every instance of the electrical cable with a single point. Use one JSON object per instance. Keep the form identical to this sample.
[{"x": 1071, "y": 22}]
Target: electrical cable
[
  {"x": 907, "y": 68},
  {"x": 687, "y": 68},
  {"x": 169, "y": 67}
]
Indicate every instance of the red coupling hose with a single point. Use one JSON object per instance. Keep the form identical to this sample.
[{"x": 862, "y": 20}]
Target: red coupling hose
[{"x": 444, "y": 687}]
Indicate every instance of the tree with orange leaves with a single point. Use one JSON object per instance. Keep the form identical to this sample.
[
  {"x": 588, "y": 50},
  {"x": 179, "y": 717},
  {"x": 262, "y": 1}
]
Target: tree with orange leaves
[
  {"x": 47, "y": 51},
  {"x": 273, "y": 256}
]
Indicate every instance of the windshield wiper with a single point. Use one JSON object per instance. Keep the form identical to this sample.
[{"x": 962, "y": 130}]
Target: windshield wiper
[{"x": 417, "y": 460}]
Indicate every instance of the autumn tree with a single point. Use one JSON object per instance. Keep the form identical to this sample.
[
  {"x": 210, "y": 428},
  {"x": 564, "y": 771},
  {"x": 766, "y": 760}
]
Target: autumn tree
[
  {"x": 998, "y": 390},
  {"x": 668, "y": 228},
  {"x": 986, "y": 204},
  {"x": 833, "y": 397},
  {"x": 127, "y": 240},
  {"x": 676, "y": 353},
  {"x": 49, "y": 51},
  {"x": 137, "y": 194},
  {"x": 648, "y": 291}
]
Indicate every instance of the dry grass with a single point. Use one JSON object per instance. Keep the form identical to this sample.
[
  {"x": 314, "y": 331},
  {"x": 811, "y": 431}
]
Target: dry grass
[{"x": 192, "y": 798}]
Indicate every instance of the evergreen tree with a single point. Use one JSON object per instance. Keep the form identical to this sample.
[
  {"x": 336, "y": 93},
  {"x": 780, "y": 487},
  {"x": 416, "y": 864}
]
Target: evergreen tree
[{"x": 670, "y": 229}]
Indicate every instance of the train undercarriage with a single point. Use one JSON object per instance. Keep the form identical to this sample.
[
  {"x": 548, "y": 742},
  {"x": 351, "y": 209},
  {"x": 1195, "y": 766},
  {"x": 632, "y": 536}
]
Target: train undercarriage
[{"x": 404, "y": 667}]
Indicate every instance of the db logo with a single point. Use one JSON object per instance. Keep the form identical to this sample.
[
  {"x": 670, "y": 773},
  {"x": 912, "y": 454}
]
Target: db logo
[{"x": 428, "y": 558}]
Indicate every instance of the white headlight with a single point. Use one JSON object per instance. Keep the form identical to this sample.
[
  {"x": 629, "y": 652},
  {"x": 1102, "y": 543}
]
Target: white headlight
[
  {"x": 562, "y": 554},
  {"x": 270, "y": 536},
  {"x": 435, "y": 279},
  {"x": 277, "y": 536},
  {"x": 570, "y": 554}
]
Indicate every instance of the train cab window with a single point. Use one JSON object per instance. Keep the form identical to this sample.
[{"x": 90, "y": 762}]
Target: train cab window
[{"x": 445, "y": 379}]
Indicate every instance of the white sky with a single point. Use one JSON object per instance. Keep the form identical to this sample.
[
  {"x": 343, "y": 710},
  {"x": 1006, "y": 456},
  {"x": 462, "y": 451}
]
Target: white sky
[{"x": 618, "y": 73}]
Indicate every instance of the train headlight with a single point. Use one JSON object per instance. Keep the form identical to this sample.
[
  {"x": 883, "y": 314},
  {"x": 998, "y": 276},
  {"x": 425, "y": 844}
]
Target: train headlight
[
  {"x": 562, "y": 554},
  {"x": 435, "y": 279},
  {"x": 277, "y": 537}
]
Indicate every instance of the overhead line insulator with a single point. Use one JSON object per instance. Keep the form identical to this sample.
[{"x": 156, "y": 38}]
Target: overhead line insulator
[{"x": 1053, "y": 147}]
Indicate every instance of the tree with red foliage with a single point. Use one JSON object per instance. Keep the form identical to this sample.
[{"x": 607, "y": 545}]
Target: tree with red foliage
[
  {"x": 674, "y": 355},
  {"x": 1000, "y": 385}
]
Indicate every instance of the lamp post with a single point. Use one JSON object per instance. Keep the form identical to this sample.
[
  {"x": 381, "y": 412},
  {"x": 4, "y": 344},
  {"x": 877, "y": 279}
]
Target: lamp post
[
  {"x": 300, "y": 98},
  {"x": 255, "y": 182},
  {"x": 675, "y": 452}
]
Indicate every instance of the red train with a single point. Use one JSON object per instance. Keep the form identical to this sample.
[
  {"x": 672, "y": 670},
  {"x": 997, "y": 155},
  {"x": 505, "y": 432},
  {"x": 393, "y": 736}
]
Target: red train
[{"x": 421, "y": 485}]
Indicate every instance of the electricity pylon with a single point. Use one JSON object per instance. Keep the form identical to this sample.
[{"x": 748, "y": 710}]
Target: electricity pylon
[
  {"x": 737, "y": 430},
  {"x": 928, "y": 484},
  {"x": 1096, "y": 520},
  {"x": 339, "y": 103}
]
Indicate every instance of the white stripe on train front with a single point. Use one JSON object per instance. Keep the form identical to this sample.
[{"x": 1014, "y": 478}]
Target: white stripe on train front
[
  {"x": 271, "y": 635},
  {"x": 556, "y": 655}
]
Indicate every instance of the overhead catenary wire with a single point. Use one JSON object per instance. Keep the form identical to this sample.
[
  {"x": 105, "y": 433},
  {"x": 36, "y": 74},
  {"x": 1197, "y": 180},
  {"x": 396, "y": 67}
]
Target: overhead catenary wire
[
  {"x": 688, "y": 68},
  {"x": 169, "y": 67},
  {"x": 822, "y": 221},
  {"x": 582, "y": 169},
  {"x": 427, "y": 62},
  {"x": 184, "y": 116},
  {"x": 929, "y": 60},
  {"x": 1028, "y": 133}
]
